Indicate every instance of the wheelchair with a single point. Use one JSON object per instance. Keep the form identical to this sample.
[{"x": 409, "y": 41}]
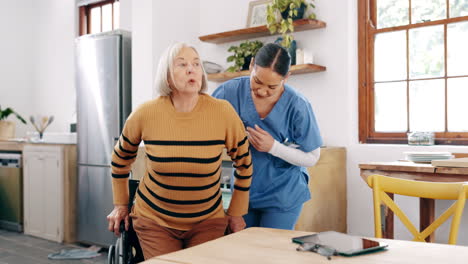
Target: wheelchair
[{"x": 126, "y": 249}]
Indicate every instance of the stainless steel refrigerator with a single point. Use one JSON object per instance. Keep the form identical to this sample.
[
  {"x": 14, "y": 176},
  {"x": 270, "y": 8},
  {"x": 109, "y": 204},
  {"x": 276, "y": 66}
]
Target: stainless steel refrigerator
[{"x": 103, "y": 82}]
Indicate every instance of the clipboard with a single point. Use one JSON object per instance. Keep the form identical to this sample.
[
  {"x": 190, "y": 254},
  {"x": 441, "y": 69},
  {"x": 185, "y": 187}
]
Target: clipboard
[{"x": 342, "y": 244}]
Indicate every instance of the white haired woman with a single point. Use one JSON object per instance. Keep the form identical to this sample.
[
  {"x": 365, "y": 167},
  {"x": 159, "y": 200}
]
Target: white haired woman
[{"x": 178, "y": 202}]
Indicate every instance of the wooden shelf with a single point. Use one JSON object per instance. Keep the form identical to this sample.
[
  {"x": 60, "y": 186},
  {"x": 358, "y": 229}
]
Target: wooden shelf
[
  {"x": 295, "y": 69},
  {"x": 260, "y": 31}
]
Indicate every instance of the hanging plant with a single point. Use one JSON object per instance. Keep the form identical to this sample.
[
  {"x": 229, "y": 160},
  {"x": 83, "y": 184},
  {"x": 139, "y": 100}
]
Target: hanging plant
[
  {"x": 243, "y": 54},
  {"x": 282, "y": 13}
]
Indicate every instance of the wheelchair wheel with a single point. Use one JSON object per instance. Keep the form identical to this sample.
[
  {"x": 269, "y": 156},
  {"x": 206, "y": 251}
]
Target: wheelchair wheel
[{"x": 111, "y": 255}]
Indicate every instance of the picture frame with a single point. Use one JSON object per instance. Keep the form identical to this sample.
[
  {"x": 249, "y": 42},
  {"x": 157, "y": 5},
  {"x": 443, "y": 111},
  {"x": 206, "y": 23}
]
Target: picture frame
[{"x": 257, "y": 13}]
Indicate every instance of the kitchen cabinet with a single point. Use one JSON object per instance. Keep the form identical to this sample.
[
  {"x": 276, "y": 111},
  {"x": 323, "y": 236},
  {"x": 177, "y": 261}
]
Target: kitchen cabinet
[
  {"x": 256, "y": 32},
  {"x": 327, "y": 208},
  {"x": 49, "y": 191}
]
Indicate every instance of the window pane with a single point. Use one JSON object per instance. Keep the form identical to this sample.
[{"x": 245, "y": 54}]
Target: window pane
[
  {"x": 426, "y": 52},
  {"x": 116, "y": 15},
  {"x": 96, "y": 20},
  {"x": 457, "y": 52},
  {"x": 390, "y": 107},
  {"x": 427, "y": 105},
  {"x": 107, "y": 17},
  {"x": 457, "y": 109},
  {"x": 390, "y": 56},
  {"x": 427, "y": 10},
  {"x": 392, "y": 13},
  {"x": 458, "y": 8}
]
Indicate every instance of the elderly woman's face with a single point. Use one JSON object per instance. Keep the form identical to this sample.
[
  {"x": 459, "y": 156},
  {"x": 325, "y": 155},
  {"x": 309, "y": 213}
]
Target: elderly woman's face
[{"x": 187, "y": 72}]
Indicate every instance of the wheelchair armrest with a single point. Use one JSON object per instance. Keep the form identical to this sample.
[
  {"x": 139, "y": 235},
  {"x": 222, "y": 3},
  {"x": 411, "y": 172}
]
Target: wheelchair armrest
[{"x": 122, "y": 226}]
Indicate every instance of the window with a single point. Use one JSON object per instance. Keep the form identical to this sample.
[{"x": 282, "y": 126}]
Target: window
[
  {"x": 99, "y": 17},
  {"x": 413, "y": 70}
]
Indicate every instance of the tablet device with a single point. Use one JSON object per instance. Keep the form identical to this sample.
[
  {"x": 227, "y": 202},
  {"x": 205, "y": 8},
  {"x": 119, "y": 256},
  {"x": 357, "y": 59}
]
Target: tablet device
[{"x": 345, "y": 245}]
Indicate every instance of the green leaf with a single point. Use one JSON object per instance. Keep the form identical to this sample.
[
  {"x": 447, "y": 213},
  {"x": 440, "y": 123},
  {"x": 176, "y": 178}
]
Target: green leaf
[
  {"x": 273, "y": 29},
  {"x": 20, "y": 118},
  {"x": 284, "y": 27},
  {"x": 6, "y": 113}
]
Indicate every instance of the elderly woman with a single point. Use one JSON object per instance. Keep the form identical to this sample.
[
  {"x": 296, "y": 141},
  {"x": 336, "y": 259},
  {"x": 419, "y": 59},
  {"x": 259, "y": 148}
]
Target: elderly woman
[{"x": 178, "y": 202}]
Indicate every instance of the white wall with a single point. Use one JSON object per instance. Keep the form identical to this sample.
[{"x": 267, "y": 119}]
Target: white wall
[
  {"x": 53, "y": 89},
  {"x": 142, "y": 52},
  {"x": 154, "y": 28},
  {"x": 126, "y": 15},
  {"x": 37, "y": 67},
  {"x": 174, "y": 21},
  {"x": 16, "y": 55},
  {"x": 328, "y": 91}
]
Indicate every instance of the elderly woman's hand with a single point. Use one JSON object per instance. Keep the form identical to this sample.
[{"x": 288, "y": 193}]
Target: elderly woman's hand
[
  {"x": 236, "y": 223},
  {"x": 119, "y": 213}
]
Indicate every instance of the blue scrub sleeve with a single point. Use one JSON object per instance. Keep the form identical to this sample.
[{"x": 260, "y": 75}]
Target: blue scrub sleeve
[{"x": 305, "y": 129}]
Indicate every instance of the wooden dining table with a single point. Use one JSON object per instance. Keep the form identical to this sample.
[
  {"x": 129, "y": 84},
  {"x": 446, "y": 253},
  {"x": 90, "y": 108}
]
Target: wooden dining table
[
  {"x": 274, "y": 246},
  {"x": 414, "y": 171}
]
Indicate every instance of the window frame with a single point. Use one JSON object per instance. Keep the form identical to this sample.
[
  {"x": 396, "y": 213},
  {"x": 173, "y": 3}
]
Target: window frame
[
  {"x": 367, "y": 13},
  {"x": 85, "y": 18}
]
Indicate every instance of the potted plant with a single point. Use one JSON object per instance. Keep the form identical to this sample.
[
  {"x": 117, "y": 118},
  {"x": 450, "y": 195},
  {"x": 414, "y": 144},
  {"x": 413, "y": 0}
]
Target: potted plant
[
  {"x": 282, "y": 13},
  {"x": 7, "y": 128},
  {"x": 243, "y": 54}
]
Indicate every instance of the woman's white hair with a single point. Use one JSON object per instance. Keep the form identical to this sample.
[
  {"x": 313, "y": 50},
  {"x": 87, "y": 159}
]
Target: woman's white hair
[{"x": 165, "y": 70}]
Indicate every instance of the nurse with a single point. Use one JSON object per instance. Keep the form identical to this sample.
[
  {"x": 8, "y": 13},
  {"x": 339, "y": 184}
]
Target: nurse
[{"x": 284, "y": 137}]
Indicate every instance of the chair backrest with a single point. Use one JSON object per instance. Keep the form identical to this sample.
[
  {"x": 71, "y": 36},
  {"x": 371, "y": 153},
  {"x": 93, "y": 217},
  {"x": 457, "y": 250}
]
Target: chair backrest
[{"x": 433, "y": 190}]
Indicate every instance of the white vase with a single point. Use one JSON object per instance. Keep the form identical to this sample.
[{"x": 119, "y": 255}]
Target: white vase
[{"x": 7, "y": 129}]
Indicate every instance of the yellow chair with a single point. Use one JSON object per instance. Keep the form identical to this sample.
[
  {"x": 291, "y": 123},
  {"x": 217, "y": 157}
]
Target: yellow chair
[{"x": 433, "y": 190}]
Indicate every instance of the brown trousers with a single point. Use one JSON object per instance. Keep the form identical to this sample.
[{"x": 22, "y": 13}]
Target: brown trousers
[{"x": 157, "y": 240}]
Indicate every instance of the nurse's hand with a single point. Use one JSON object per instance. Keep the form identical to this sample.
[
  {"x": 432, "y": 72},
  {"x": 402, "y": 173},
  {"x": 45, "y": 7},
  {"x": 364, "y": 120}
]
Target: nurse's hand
[{"x": 260, "y": 139}]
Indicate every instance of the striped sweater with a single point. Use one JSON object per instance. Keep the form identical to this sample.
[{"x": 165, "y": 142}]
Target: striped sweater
[{"x": 181, "y": 185}]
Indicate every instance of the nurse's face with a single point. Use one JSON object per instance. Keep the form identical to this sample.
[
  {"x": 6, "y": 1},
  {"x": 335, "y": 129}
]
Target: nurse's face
[{"x": 265, "y": 83}]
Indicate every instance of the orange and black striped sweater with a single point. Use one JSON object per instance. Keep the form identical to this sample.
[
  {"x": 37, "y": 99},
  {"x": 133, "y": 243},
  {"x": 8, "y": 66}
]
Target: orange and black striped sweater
[{"x": 181, "y": 185}]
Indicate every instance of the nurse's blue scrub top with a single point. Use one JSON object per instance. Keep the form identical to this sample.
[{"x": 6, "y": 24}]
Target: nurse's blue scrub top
[{"x": 276, "y": 184}]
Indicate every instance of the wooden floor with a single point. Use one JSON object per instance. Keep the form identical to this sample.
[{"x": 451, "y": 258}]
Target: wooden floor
[{"x": 17, "y": 248}]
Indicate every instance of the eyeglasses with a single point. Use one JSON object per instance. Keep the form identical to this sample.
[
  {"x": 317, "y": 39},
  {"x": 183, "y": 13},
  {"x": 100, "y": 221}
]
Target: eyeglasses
[{"x": 325, "y": 251}]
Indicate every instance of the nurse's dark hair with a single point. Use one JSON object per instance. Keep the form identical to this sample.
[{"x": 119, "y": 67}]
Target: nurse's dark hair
[{"x": 275, "y": 57}]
